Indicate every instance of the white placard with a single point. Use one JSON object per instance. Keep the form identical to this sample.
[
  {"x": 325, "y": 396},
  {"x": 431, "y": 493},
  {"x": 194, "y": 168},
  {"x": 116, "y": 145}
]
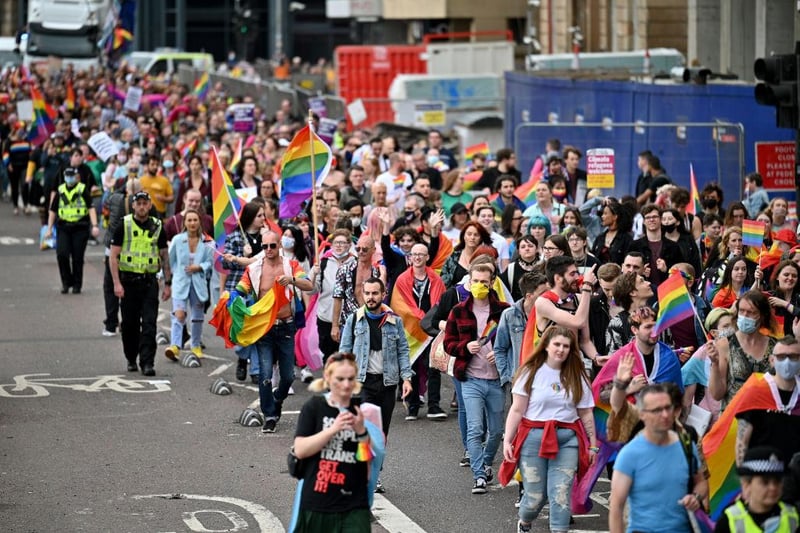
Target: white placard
[
  {"x": 103, "y": 146},
  {"x": 133, "y": 99},
  {"x": 247, "y": 193},
  {"x": 357, "y": 112},
  {"x": 75, "y": 127},
  {"x": 25, "y": 110}
]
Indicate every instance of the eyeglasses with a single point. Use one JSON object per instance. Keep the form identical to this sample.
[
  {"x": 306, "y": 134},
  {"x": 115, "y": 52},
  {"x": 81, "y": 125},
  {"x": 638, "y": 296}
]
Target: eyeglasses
[
  {"x": 658, "y": 410},
  {"x": 550, "y": 248},
  {"x": 363, "y": 249},
  {"x": 340, "y": 243},
  {"x": 517, "y": 218},
  {"x": 269, "y": 245},
  {"x": 654, "y": 217}
]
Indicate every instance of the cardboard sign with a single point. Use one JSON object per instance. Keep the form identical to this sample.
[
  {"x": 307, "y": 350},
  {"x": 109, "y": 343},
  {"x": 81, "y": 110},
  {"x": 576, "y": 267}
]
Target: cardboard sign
[
  {"x": 430, "y": 114},
  {"x": 357, "y": 112},
  {"x": 103, "y": 146},
  {"x": 318, "y": 106},
  {"x": 327, "y": 128},
  {"x": 243, "y": 116},
  {"x": 600, "y": 168},
  {"x": 133, "y": 99},
  {"x": 25, "y": 110}
]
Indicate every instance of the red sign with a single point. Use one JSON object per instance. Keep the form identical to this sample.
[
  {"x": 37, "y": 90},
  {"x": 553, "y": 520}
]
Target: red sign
[{"x": 775, "y": 163}]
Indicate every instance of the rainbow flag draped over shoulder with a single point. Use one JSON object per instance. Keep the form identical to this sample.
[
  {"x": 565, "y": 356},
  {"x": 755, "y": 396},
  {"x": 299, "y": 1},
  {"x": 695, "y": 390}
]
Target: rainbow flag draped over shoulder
[
  {"x": 719, "y": 444},
  {"x": 694, "y": 206},
  {"x": 674, "y": 303},
  {"x": 297, "y": 182},
  {"x": 42, "y": 126},
  {"x": 445, "y": 250},
  {"x": 242, "y": 325},
  {"x": 225, "y": 204},
  {"x": 201, "y": 86},
  {"x": 404, "y": 305}
]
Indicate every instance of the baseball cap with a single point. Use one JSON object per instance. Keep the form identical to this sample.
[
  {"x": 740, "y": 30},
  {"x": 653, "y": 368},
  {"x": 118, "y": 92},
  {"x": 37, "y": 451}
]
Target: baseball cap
[
  {"x": 458, "y": 207},
  {"x": 141, "y": 195}
]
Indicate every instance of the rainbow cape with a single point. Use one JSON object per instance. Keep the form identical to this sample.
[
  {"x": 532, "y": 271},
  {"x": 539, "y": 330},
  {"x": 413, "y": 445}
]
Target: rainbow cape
[
  {"x": 719, "y": 444},
  {"x": 526, "y": 192},
  {"x": 225, "y": 205},
  {"x": 442, "y": 254},
  {"x": 306, "y": 341},
  {"x": 240, "y": 324},
  {"x": 752, "y": 233},
  {"x": 694, "y": 206},
  {"x": 201, "y": 86},
  {"x": 297, "y": 181},
  {"x": 404, "y": 305},
  {"x": 69, "y": 98},
  {"x": 674, "y": 303},
  {"x": 236, "y": 158},
  {"x": 44, "y": 115}
]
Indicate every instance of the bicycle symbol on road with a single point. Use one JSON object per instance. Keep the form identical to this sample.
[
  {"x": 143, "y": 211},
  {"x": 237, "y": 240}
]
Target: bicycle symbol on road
[{"x": 37, "y": 385}]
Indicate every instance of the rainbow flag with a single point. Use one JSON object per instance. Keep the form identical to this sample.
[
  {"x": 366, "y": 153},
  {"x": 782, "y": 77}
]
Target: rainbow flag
[
  {"x": 674, "y": 303},
  {"x": 121, "y": 38},
  {"x": 471, "y": 179},
  {"x": 442, "y": 254},
  {"x": 526, "y": 192},
  {"x": 475, "y": 149},
  {"x": 752, "y": 233},
  {"x": 297, "y": 181},
  {"x": 771, "y": 257},
  {"x": 242, "y": 325},
  {"x": 188, "y": 149},
  {"x": 236, "y": 158},
  {"x": 719, "y": 444},
  {"x": 225, "y": 205},
  {"x": 488, "y": 332},
  {"x": 201, "y": 86},
  {"x": 42, "y": 126},
  {"x": 69, "y": 99},
  {"x": 403, "y": 303},
  {"x": 306, "y": 341},
  {"x": 694, "y": 206}
]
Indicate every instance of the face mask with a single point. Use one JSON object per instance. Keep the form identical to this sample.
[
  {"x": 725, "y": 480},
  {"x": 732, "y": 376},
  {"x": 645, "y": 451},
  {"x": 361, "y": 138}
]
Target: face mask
[
  {"x": 287, "y": 242},
  {"x": 121, "y": 159},
  {"x": 409, "y": 215},
  {"x": 433, "y": 159},
  {"x": 340, "y": 255},
  {"x": 559, "y": 195},
  {"x": 668, "y": 228},
  {"x": 168, "y": 164},
  {"x": 355, "y": 221},
  {"x": 787, "y": 369},
  {"x": 479, "y": 291},
  {"x": 70, "y": 180},
  {"x": 725, "y": 332},
  {"x": 710, "y": 203},
  {"x": 116, "y": 132},
  {"x": 746, "y": 324},
  {"x": 779, "y": 211}
]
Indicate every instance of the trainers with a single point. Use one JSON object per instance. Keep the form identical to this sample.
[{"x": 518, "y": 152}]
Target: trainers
[
  {"x": 464, "y": 460},
  {"x": 108, "y": 333},
  {"x": 379, "y": 488},
  {"x": 489, "y": 473},
  {"x": 522, "y": 527},
  {"x": 306, "y": 376},
  {"x": 519, "y": 496},
  {"x": 269, "y": 425},
  {"x": 148, "y": 371},
  {"x": 479, "y": 487},
  {"x": 172, "y": 352},
  {"x": 413, "y": 413},
  {"x": 241, "y": 370},
  {"x": 198, "y": 352},
  {"x": 278, "y": 410},
  {"x": 435, "y": 413}
]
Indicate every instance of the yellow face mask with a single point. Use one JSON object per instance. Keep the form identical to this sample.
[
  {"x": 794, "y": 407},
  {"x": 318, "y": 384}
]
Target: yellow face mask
[{"x": 479, "y": 291}]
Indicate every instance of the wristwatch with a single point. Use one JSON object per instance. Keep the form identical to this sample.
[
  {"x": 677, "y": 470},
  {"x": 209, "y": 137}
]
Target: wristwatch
[{"x": 167, "y": 282}]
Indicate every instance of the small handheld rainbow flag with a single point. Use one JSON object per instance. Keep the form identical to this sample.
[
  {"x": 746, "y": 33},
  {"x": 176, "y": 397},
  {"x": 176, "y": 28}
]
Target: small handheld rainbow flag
[
  {"x": 201, "y": 86},
  {"x": 236, "y": 158},
  {"x": 489, "y": 333},
  {"x": 694, "y": 207},
  {"x": 475, "y": 149},
  {"x": 674, "y": 303},
  {"x": 752, "y": 233},
  {"x": 188, "y": 149}
]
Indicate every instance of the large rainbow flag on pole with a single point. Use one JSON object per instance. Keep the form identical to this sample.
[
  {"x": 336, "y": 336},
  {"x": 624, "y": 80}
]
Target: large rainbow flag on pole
[
  {"x": 42, "y": 126},
  {"x": 674, "y": 303},
  {"x": 297, "y": 183},
  {"x": 225, "y": 204},
  {"x": 201, "y": 86}
]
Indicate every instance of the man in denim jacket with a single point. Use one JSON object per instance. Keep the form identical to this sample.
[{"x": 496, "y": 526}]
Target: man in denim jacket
[{"x": 374, "y": 333}]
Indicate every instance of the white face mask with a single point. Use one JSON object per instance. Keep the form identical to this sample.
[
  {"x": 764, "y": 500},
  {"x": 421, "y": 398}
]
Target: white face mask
[{"x": 786, "y": 368}]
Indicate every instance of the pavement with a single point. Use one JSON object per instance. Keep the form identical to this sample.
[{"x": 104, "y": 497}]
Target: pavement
[{"x": 86, "y": 446}]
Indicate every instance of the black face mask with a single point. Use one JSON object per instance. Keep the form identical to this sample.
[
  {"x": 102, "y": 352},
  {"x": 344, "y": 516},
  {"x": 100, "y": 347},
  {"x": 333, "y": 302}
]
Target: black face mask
[
  {"x": 710, "y": 203},
  {"x": 409, "y": 215},
  {"x": 668, "y": 228}
]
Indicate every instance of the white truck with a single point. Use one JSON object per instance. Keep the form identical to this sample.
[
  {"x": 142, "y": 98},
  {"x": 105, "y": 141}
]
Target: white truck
[{"x": 68, "y": 30}]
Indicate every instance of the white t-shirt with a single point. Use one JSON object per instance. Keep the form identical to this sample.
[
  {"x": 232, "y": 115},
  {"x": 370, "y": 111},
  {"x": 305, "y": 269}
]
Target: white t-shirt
[
  {"x": 395, "y": 194},
  {"x": 501, "y": 245},
  {"x": 548, "y": 399}
]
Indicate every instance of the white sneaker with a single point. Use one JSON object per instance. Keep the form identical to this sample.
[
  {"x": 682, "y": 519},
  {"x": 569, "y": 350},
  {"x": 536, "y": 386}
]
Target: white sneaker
[
  {"x": 306, "y": 376},
  {"x": 291, "y": 391},
  {"x": 107, "y": 333}
]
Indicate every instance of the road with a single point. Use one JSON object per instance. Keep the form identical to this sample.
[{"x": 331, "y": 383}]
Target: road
[{"x": 87, "y": 446}]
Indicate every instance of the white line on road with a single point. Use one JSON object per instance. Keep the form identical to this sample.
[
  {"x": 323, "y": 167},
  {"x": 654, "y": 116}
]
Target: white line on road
[
  {"x": 267, "y": 522},
  {"x": 391, "y": 518},
  {"x": 220, "y": 369}
]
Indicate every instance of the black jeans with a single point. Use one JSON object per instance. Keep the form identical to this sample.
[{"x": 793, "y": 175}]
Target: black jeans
[
  {"x": 70, "y": 248},
  {"x": 139, "y": 314},
  {"x": 111, "y": 301},
  {"x": 327, "y": 345},
  {"x": 434, "y": 382},
  {"x": 374, "y": 391}
]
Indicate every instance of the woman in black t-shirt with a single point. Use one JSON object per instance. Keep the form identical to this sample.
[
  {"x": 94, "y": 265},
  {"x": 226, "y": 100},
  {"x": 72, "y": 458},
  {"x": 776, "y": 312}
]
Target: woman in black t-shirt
[{"x": 333, "y": 443}]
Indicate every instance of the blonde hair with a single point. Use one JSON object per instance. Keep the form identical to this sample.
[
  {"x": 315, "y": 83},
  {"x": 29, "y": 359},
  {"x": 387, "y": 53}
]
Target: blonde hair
[{"x": 322, "y": 385}]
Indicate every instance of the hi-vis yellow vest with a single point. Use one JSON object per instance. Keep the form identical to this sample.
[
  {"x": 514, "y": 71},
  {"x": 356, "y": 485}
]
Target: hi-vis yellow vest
[
  {"x": 739, "y": 521},
  {"x": 71, "y": 206},
  {"x": 139, "y": 247}
]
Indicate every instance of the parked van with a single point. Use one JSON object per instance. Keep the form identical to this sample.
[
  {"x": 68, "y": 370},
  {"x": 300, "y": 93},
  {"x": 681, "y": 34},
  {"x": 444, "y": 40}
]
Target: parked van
[{"x": 167, "y": 61}]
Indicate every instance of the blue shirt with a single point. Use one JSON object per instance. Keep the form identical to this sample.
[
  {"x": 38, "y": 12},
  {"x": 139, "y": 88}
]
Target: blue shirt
[{"x": 660, "y": 477}]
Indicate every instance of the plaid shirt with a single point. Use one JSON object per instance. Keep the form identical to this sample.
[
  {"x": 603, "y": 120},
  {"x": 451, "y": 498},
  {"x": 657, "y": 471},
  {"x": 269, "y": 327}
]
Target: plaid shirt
[
  {"x": 234, "y": 244},
  {"x": 344, "y": 287}
]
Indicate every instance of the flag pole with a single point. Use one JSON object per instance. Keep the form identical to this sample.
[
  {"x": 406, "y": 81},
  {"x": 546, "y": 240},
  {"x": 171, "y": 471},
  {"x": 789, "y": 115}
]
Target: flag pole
[
  {"x": 227, "y": 191},
  {"x": 313, "y": 186}
]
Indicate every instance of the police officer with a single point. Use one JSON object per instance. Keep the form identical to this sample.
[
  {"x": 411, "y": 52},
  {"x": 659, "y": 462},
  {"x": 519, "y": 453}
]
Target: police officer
[
  {"x": 138, "y": 252},
  {"x": 72, "y": 205}
]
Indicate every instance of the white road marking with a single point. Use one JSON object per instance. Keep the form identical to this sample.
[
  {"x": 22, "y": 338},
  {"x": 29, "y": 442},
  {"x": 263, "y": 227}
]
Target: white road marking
[
  {"x": 267, "y": 522},
  {"x": 216, "y": 357},
  {"x": 220, "y": 369},
  {"x": 391, "y": 518}
]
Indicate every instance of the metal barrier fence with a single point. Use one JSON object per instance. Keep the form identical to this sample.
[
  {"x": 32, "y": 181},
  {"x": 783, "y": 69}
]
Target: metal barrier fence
[
  {"x": 411, "y": 112},
  {"x": 715, "y": 150}
]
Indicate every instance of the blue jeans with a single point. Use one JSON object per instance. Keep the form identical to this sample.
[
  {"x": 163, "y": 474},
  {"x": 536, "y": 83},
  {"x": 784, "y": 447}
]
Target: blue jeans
[
  {"x": 277, "y": 346},
  {"x": 548, "y": 479},
  {"x": 462, "y": 412},
  {"x": 484, "y": 402},
  {"x": 193, "y": 308}
]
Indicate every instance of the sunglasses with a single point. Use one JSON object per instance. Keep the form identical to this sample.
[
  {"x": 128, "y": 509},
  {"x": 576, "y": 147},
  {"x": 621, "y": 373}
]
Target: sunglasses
[
  {"x": 269, "y": 245},
  {"x": 341, "y": 356},
  {"x": 362, "y": 249}
]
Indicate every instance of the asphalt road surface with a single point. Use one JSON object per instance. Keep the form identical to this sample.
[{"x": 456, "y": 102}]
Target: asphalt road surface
[{"x": 87, "y": 446}]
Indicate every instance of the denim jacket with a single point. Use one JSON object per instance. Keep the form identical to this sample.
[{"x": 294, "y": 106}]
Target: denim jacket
[
  {"x": 396, "y": 364},
  {"x": 508, "y": 341}
]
